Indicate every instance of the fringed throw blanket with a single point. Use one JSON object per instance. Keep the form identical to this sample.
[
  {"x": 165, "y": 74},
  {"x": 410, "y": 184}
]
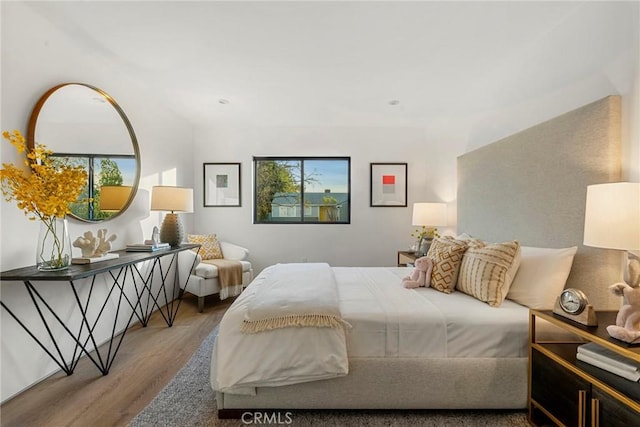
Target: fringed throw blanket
[
  {"x": 295, "y": 295},
  {"x": 229, "y": 276}
]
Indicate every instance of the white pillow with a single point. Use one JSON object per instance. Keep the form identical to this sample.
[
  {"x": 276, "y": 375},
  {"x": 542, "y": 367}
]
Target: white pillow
[{"x": 541, "y": 277}]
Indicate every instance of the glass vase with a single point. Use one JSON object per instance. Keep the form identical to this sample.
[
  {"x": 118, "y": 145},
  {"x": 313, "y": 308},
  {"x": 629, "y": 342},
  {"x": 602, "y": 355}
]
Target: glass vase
[
  {"x": 422, "y": 246},
  {"x": 54, "y": 245}
]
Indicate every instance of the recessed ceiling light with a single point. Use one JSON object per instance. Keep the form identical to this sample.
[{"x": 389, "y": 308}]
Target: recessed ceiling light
[
  {"x": 223, "y": 101},
  {"x": 394, "y": 102}
]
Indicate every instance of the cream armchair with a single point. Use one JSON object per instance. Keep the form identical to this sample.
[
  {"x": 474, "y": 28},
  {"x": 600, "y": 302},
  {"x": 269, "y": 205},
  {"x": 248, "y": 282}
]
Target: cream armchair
[{"x": 203, "y": 278}]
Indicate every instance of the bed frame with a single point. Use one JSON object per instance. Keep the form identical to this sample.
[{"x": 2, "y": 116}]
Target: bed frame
[{"x": 530, "y": 186}]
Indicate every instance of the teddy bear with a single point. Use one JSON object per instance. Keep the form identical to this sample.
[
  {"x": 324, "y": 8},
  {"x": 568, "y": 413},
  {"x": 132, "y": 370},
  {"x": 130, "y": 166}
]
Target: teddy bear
[
  {"x": 627, "y": 327},
  {"x": 421, "y": 274}
]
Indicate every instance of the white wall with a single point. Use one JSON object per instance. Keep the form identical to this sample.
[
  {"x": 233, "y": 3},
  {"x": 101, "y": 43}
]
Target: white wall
[
  {"x": 375, "y": 234},
  {"x": 35, "y": 57}
]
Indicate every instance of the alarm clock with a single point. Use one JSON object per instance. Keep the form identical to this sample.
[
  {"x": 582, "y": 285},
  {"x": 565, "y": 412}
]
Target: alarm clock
[{"x": 574, "y": 305}]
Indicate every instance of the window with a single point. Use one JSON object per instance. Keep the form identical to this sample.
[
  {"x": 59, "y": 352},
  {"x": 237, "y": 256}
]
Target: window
[
  {"x": 102, "y": 170},
  {"x": 295, "y": 190}
]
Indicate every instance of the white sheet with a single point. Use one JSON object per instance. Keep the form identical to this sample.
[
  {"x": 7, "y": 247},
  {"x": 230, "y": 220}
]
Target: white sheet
[
  {"x": 387, "y": 320},
  {"x": 391, "y": 321}
]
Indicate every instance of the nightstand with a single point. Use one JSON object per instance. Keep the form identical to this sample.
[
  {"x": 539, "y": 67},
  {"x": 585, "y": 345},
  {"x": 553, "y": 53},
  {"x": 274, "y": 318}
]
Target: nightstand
[
  {"x": 406, "y": 258},
  {"x": 565, "y": 391}
]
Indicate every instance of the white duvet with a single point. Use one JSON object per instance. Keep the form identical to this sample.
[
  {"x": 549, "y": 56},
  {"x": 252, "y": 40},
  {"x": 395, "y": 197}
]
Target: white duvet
[{"x": 387, "y": 320}]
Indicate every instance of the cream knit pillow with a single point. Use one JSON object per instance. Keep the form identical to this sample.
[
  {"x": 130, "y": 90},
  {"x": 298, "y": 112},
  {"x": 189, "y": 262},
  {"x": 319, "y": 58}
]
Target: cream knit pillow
[{"x": 486, "y": 273}]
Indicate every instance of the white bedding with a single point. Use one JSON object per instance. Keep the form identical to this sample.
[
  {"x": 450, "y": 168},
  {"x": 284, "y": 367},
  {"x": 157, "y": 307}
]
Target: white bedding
[
  {"x": 390, "y": 321},
  {"x": 387, "y": 320}
]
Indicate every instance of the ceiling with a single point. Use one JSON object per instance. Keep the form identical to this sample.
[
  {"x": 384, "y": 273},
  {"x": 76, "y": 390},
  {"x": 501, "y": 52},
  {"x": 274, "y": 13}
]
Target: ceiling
[{"x": 345, "y": 63}]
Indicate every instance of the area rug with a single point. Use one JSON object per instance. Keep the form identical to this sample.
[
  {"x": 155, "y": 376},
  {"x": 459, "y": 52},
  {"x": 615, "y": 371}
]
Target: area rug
[{"x": 188, "y": 401}]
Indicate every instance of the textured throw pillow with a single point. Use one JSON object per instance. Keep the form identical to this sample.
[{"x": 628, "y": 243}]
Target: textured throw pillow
[
  {"x": 486, "y": 273},
  {"x": 471, "y": 242},
  {"x": 209, "y": 245},
  {"x": 446, "y": 255},
  {"x": 542, "y": 276}
]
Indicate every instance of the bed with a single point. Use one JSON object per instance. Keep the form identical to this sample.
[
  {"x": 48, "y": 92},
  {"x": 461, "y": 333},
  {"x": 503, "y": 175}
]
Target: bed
[{"x": 474, "y": 355}]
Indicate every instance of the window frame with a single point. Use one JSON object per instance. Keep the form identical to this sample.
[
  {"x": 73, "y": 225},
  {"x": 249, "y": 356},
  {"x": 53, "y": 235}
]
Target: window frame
[
  {"x": 301, "y": 208},
  {"x": 92, "y": 211}
]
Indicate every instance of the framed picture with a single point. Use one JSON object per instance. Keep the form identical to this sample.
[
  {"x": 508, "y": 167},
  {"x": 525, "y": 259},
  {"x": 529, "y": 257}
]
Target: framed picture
[
  {"x": 388, "y": 184},
  {"x": 222, "y": 184}
]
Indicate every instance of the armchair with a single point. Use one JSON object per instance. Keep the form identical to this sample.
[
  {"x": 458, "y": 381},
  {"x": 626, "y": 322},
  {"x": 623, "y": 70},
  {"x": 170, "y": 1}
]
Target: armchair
[{"x": 203, "y": 278}]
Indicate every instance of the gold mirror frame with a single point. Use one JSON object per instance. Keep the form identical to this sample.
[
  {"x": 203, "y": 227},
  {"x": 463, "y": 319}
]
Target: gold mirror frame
[{"x": 31, "y": 134}]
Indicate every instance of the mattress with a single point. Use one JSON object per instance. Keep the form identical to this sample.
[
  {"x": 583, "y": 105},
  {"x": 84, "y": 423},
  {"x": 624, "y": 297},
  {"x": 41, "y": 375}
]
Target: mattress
[{"x": 387, "y": 321}]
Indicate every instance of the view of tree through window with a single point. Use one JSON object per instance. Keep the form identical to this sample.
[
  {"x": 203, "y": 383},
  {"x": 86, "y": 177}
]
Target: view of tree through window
[
  {"x": 295, "y": 190},
  {"x": 103, "y": 170}
]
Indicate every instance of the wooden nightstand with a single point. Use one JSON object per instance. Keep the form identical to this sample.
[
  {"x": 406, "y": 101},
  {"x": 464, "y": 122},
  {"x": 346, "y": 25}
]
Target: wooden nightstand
[
  {"x": 406, "y": 258},
  {"x": 566, "y": 391}
]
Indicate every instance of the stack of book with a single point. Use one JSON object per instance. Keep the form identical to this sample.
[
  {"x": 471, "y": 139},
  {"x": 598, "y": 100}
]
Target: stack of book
[
  {"x": 609, "y": 361},
  {"x": 144, "y": 247},
  {"x": 90, "y": 260}
]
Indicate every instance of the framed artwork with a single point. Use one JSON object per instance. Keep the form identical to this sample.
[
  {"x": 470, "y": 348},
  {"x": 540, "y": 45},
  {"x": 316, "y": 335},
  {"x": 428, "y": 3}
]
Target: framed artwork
[
  {"x": 388, "y": 184},
  {"x": 221, "y": 184}
]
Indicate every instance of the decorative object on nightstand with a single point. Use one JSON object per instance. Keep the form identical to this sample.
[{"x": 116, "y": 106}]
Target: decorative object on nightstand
[
  {"x": 612, "y": 220},
  {"x": 574, "y": 305},
  {"x": 172, "y": 199},
  {"x": 429, "y": 216}
]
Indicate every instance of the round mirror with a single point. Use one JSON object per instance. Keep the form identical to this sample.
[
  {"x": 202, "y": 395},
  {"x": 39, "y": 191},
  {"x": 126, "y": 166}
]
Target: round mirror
[{"x": 84, "y": 126}]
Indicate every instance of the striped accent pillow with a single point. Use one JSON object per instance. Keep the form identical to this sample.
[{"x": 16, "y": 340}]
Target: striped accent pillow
[
  {"x": 447, "y": 256},
  {"x": 486, "y": 273}
]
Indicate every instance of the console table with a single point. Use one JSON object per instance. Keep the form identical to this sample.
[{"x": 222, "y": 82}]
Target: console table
[{"x": 124, "y": 272}]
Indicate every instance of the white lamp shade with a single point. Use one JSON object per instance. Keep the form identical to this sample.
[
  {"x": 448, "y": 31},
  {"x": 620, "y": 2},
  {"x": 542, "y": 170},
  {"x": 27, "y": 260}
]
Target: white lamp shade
[
  {"x": 114, "y": 197},
  {"x": 174, "y": 199},
  {"x": 429, "y": 214},
  {"x": 612, "y": 216}
]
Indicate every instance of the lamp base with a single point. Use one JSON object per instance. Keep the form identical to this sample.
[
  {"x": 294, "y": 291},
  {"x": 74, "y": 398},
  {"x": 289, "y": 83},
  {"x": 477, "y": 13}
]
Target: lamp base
[
  {"x": 632, "y": 275},
  {"x": 172, "y": 231},
  {"x": 423, "y": 246}
]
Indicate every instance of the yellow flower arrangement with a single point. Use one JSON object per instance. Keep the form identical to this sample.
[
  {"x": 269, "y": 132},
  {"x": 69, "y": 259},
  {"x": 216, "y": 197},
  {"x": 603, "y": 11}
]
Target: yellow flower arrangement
[
  {"x": 48, "y": 189},
  {"x": 43, "y": 190},
  {"x": 426, "y": 233}
]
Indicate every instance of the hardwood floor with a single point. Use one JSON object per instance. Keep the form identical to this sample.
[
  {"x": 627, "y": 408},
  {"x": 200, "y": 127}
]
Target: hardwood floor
[{"x": 147, "y": 361}]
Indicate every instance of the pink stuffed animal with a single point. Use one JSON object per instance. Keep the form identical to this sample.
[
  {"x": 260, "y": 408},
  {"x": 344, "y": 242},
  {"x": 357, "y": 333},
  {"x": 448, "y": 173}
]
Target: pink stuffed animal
[
  {"x": 421, "y": 274},
  {"x": 627, "y": 327}
]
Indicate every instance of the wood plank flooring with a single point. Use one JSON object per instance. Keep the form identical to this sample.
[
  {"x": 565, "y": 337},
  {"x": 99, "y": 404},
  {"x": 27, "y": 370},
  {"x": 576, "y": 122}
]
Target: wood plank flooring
[{"x": 148, "y": 359}]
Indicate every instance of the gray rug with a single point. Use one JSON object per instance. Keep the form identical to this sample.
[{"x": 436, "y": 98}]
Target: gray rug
[{"x": 188, "y": 401}]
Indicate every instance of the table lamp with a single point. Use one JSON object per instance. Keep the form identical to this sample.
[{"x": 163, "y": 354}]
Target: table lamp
[
  {"x": 172, "y": 199},
  {"x": 114, "y": 197},
  {"x": 429, "y": 215},
  {"x": 612, "y": 221}
]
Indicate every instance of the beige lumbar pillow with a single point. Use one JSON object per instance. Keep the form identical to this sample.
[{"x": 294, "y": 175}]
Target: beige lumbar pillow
[
  {"x": 542, "y": 276},
  {"x": 486, "y": 273}
]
